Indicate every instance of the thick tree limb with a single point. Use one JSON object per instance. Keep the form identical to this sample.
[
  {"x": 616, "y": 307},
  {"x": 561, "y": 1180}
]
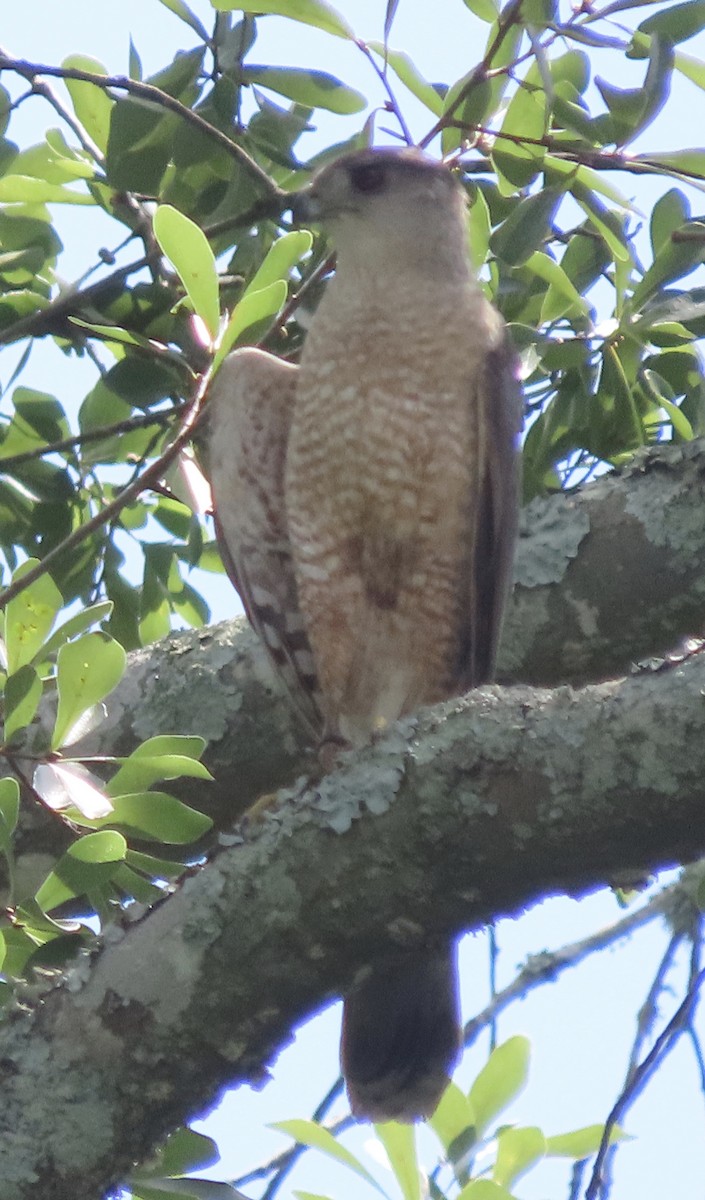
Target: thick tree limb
[
  {"x": 606, "y": 576},
  {"x": 611, "y": 574},
  {"x": 462, "y": 815}
]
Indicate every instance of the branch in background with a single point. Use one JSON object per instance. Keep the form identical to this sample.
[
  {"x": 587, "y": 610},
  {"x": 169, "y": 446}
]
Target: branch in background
[
  {"x": 147, "y": 91},
  {"x": 572, "y": 616},
  {"x": 163, "y": 417},
  {"x": 151, "y": 475},
  {"x": 68, "y": 303},
  {"x": 507, "y": 19},
  {"x": 679, "y": 1023},
  {"x": 74, "y": 299},
  {"x": 549, "y": 965},
  {"x": 599, "y": 160}
]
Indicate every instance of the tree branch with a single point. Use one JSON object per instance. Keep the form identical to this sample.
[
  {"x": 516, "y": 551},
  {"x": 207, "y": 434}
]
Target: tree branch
[
  {"x": 472, "y": 811},
  {"x": 610, "y": 574},
  {"x": 147, "y": 91}
]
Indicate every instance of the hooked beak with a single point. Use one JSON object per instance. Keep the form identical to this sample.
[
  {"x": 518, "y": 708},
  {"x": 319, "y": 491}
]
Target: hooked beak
[{"x": 305, "y": 207}]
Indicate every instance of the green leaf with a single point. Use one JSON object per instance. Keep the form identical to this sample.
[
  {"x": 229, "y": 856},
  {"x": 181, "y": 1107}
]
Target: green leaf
[
  {"x": 306, "y": 12},
  {"x": 479, "y": 229},
  {"x": 9, "y": 810},
  {"x": 312, "y": 89},
  {"x": 516, "y": 160},
  {"x": 517, "y": 1150},
  {"x": 91, "y": 103},
  {"x": 135, "y": 62},
  {"x": 23, "y": 189},
  {"x": 692, "y": 161},
  {"x": 454, "y": 1118},
  {"x": 155, "y": 868},
  {"x": 632, "y": 109},
  {"x": 187, "y": 247},
  {"x": 157, "y": 816},
  {"x": 183, "y": 12},
  {"x": 615, "y": 424},
  {"x": 185, "y": 1150},
  {"x": 86, "y": 866},
  {"x": 655, "y": 387},
  {"x": 607, "y": 223},
  {"x": 677, "y": 22},
  {"x": 500, "y": 1080},
  {"x": 528, "y": 224},
  {"x": 139, "y": 772},
  {"x": 692, "y": 68},
  {"x": 399, "y": 1142},
  {"x": 486, "y": 10},
  {"x": 9, "y": 802},
  {"x": 408, "y": 73},
  {"x": 77, "y": 624},
  {"x": 255, "y": 312},
  {"x": 23, "y": 691},
  {"x": 280, "y": 258},
  {"x": 582, "y": 1143},
  {"x": 87, "y": 670},
  {"x": 668, "y": 214},
  {"x": 470, "y": 112},
  {"x": 549, "y": 270},
  {"x": 539, "y": 13},
  {"x": 674, "y": 260},
  {"x": 170, "y": 743},
  {"x": 29, "y": 617},
  {"x": 484, "y": 1189},
  {"x": 309, "y": 1133},
  {"x": 113, "y": 333}
]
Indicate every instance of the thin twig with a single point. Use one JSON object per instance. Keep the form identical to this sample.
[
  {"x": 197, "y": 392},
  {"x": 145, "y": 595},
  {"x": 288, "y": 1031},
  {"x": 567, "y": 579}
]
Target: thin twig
[
  {"x": 539, "y": 968},
  {"x": 678, "y": 1024},
  {"x": 146, "y": 91},
  {"x": 40, "y": 87},
  {"x": 494, "y": 958},
  {"x": 599, "y": 160},
  {"x": 393, "y": 103},
  {"x": 93, "y": 435},
  {"x": 66, "y": 303},
  {"x": 74, "y": 298},
  {"x": 648, "y": 1013},
  {"x": 293, "y": 1155},
  {"x": 152, "y": 475},
  {"x": 505, "y": 21}
]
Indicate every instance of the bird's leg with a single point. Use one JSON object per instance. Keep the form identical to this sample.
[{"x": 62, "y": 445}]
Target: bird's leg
[{"x": 331, "y": 748}]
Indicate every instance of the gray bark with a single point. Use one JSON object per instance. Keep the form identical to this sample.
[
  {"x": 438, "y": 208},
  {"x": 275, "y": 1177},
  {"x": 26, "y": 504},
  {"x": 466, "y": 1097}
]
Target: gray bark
[{"x": 468, "y": 812}]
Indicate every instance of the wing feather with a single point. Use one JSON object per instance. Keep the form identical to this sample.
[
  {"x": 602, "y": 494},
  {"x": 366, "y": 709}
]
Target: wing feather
[
  {"x": 494, "y": 515},
  {"x": 251, "y": 404}
]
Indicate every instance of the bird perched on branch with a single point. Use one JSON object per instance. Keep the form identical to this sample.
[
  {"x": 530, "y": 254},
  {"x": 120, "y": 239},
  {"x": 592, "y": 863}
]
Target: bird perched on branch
[{"x": 366, "y": 505}]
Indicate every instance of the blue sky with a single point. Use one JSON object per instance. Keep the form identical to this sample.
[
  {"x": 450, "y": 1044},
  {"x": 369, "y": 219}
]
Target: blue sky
[{"x": 582, "y": 1026}]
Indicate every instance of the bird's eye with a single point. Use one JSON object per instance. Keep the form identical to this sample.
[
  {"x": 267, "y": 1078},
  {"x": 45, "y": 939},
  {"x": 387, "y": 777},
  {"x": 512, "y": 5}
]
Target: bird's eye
[{"x": 368, "y": 179}]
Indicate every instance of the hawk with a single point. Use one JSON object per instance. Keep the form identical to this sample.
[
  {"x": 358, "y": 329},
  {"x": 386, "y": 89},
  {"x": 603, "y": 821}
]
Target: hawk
[{"x": 366, "y": 504}]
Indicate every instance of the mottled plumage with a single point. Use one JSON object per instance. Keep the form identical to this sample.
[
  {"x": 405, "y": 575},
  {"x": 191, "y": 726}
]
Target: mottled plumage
[{"x": 366, "y": 503}]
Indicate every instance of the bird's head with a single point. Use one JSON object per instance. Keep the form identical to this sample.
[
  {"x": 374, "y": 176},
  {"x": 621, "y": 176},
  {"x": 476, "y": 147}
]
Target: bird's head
[{"x": 387, "y": 203}]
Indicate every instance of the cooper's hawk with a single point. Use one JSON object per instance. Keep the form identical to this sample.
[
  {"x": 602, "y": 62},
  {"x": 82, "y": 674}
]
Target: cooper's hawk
[{"x": 366, "y": 503}]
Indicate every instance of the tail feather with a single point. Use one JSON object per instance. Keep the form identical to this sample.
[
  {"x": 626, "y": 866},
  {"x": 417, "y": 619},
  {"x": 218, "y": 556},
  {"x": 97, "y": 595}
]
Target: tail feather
[{"x": 401, "y": 1036}]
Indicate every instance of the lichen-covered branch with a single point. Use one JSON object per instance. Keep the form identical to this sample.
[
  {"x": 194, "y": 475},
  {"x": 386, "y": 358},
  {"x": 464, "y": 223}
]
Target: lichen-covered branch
[
  {"x": 468, "y": 812},
  {"x": 610, "y": 574}
]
